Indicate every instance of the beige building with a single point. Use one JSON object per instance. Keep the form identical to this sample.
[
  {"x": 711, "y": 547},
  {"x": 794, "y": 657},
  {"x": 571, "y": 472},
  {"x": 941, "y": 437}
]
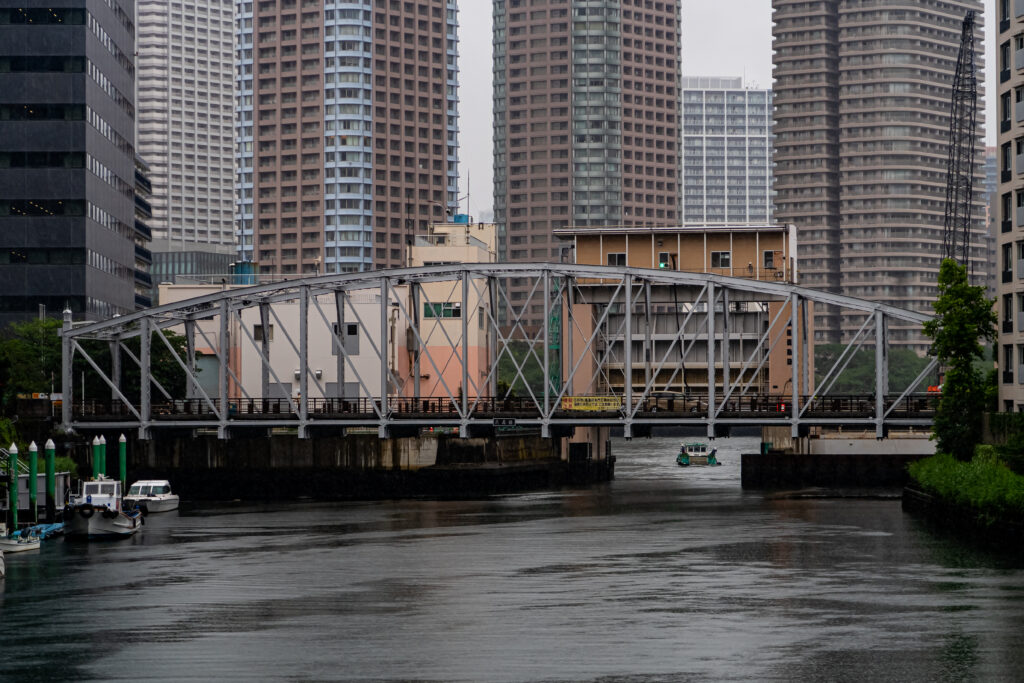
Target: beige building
[
  {"x": 438, "y": 318},
  {"x": 765, "y": 252}
]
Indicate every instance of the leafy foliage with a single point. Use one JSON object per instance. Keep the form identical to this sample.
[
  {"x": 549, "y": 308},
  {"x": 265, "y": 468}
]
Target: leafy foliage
[
  {"x": 963, "y": 317},
  {"x": 30, "y": 361},
  {"x": 859, "y": 375},
  {"x": 519, "y": 353},
  {"x": 984, "y": 484}
]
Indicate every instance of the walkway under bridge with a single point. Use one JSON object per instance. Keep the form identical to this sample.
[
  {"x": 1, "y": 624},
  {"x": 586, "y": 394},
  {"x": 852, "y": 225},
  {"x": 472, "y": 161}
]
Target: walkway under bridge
[{"x": 484, "y": 347}]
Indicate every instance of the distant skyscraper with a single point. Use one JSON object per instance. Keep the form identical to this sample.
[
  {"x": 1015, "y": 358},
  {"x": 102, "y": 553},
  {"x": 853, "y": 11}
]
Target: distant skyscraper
[
  {"x": 862, "y": 99},
  {"x": 68, "y": 229},
  {"x": 185, "y": 117},
  {"x": 727, "y": 156},
  {"x": 586, "y": 120},
  {"x": 347, "y": 131}
]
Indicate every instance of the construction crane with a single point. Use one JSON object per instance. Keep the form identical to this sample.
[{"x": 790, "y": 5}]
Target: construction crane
[{"x": 956, "y": 237}]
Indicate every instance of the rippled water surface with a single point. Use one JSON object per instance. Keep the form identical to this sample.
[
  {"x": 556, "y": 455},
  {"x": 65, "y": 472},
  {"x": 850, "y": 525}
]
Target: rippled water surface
[{"x": 664, "y": 574}]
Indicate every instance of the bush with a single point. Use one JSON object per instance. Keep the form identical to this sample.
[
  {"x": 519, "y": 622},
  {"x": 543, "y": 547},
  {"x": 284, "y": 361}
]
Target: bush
[{"x": 984, "y": 485}]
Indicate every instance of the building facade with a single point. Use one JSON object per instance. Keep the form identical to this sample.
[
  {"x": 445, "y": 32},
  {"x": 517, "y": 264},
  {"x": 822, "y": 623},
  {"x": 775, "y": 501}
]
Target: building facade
[
  {"x": 756, "y": 252},
  {"x": 347, "y": 132},
  {"x": 862, "y": 97},
  {"x": 586, "y": 120},
  {"x": 1008, "y": 204},
  {"x": 727, "y": 152},
  {"x": 186, "y": 117},
  {"x": 67, "y": 159}
]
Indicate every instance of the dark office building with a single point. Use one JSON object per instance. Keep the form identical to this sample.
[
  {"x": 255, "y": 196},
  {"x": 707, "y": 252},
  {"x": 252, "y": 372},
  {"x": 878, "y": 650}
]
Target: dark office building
[{"x": 67, "y": 164}]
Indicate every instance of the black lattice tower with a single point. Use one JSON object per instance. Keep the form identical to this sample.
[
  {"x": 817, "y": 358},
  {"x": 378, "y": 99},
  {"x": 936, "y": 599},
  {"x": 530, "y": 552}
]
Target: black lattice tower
[{"x": 956, "y": 239}]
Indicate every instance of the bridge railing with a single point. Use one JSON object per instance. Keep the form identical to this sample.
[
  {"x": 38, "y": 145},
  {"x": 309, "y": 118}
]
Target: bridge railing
[{"x": 691, "y": 405}]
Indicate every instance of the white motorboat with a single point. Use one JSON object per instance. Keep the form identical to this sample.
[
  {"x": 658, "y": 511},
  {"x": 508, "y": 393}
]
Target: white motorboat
[
  {"x": 96, "y": 512},
  {"x": 17, "y": 544},
  {"x": 151, "y": 496}
]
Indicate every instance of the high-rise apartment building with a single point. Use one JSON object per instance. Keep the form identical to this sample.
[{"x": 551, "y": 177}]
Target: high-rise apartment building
[
  {"x": 1008, "y": 203},
  {"x": 347, "y": 133},
  {"x": 862, "y": 97},
  {"x": 727, "y": 152},
  {"x": 586, "y": 118},
  {"x": 586, "y": 123},
  {"x": 68, "y": 230},
  {"x": 186, "y": 117}
]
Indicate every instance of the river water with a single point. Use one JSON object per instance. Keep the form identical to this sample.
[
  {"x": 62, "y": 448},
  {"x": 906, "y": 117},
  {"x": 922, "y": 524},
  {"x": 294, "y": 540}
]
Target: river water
[{"x": 665, "y": 574}]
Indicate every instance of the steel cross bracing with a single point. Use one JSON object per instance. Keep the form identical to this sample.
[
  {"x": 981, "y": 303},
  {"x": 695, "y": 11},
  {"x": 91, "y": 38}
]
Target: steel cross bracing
[{"x": 451, "y": 347}]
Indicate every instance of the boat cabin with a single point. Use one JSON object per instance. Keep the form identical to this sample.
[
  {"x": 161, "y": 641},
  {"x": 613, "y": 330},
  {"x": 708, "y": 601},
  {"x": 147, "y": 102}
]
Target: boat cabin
[
  {"x": 149, "y": 488},
  {"x": 101, "y": 492}
]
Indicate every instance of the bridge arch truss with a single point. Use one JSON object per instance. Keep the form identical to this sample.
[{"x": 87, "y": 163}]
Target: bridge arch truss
[{"x": 455, "y": 346}]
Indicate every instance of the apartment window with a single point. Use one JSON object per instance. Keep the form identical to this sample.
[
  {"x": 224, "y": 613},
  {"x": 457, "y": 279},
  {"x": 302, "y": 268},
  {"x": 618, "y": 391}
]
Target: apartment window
[
  {"x": 617, "y": 259},
  {"x": 769, "y": 259},
  {"x": 721, "y": 259},
  {"x": 442, "y": 310},
  {"x": 666, "y": 260}
]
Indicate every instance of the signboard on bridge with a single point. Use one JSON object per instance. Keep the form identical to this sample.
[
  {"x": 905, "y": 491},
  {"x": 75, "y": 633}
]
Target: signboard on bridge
[
  {"x": 504, "y": 422},
  {"x": 591, "y": 402}
]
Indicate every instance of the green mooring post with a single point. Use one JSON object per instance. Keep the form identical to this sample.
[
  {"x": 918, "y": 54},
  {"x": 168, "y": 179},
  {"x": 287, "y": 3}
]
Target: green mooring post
[
  {"x": 12, "y": 488},
  {"x": 51, "y": 480},
  {"x": 103, "y": 455},
  {"x": 33, "y": 478},
  {"x": 122, "y": 461},
  {"x": 95, "y": 457}
]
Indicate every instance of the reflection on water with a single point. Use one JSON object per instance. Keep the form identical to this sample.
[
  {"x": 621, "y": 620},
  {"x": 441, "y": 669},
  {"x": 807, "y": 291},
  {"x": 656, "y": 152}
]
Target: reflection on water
[{"x": 664, "y": 574}]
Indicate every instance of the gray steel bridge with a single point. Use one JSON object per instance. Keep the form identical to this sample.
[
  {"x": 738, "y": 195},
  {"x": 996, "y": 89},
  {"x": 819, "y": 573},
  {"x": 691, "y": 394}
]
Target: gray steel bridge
[{"x": 680, "y": 325}]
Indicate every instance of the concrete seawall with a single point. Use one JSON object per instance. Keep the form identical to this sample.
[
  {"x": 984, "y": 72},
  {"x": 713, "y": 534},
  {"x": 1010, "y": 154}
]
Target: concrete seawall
[
  {"x": 359, "y": 466},
  {"x": 836, "y": 470}
]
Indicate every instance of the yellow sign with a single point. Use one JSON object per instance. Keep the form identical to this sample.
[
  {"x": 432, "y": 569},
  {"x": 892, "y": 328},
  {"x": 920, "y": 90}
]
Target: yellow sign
[{"x": 591, "y": 402}]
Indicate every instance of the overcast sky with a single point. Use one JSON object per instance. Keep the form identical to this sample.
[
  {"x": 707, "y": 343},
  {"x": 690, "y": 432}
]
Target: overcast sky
[{"x": 720, "y": 38}]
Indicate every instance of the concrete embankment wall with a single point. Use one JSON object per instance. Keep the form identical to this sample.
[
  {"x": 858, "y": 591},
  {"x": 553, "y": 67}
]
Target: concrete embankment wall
[
  {"x": 359, "y": 466},
  {"x": 836, "y": 470}
]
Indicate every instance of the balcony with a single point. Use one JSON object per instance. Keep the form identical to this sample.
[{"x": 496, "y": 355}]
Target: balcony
[
  {"x": 1018, "y": 8},
  {"x": 1020, "y": 268},
  {"x": 1020, "y": 321},
  {"x": 1018, "y": 59},
  {"x": 1020, "y": 216},
  {"x": 1018, "y": 111},
  {"x": 1020, "y": 374}
]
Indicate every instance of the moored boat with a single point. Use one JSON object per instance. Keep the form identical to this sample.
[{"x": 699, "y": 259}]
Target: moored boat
[
  {"x": 696, "y": 453},
  {"x": 151, "y": 496},
  {"x": 18, "y": 544},
  {"x": 96, "y": 512}
]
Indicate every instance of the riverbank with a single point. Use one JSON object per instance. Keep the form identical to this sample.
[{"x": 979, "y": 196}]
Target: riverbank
[{"x": 982, "y": 496}]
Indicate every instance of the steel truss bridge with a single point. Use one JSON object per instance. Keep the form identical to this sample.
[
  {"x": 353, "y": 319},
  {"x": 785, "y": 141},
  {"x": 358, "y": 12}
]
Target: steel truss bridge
[{"x": 457, "y": 324}]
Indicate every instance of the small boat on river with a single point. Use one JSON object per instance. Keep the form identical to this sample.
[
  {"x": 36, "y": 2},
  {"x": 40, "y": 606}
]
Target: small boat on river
[
  {"x": 151, "y": 496},
  {"x": 696, "y": 453},
  {"x": 96, "y": 512},
  {"x": 18, "y": 544}
]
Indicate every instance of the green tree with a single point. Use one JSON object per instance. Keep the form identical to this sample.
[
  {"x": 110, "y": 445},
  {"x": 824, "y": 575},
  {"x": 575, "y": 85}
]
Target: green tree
[
  {"x": 30, "y": 358},
  {"x": 963, "y": 318},
  {"x": 532, "y": 370},
  {"x": 30, "y": 361},
  {"x": 859, "y": 375}
]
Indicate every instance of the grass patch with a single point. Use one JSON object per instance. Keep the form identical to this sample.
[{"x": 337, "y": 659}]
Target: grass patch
[{"x": 984, "y": 485}]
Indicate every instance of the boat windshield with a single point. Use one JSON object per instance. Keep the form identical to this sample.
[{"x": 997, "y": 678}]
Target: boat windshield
[
  {"x": 135, "y": 490},
  {"x": 163, "y": 488}
]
